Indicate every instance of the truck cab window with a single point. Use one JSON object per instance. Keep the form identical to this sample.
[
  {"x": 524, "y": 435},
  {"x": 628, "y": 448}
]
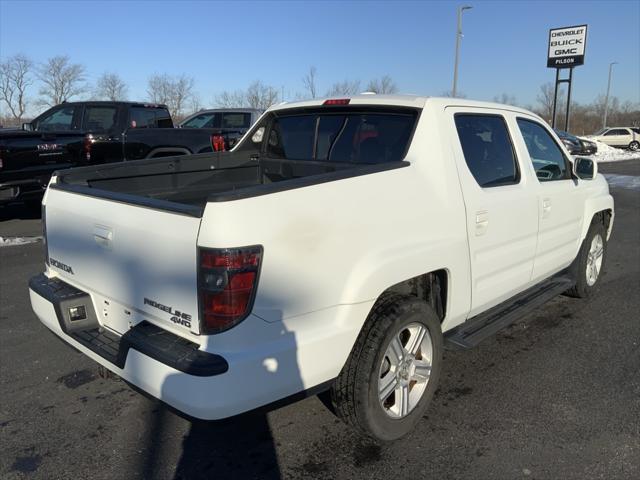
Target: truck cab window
[
  {"x": 548, "y": 160},
  {"x": 487, "y": 149},
  {"x": 206, "y": 120},
  {"x": 236, "y": 120},
  {"x": 149, "y": 117},
  {"x": 100, "y": 119},
  {"x": 60, "y": 119}
]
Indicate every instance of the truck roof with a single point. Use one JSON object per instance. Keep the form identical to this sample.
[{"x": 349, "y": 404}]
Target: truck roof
[
  {"x": 108, "y": 102},
  {"x": 400, "y": 101}
]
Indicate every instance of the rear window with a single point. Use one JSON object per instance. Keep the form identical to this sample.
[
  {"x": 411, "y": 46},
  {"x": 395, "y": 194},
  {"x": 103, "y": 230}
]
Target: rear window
[
  {"x": 345, "y": 137},
  {"x": 149, "y": 117},
  {"x": 100, "y": 119},
  {"x": 236, "y": 120}
]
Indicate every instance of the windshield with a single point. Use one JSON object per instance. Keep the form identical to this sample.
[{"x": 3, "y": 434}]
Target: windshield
[{"x": 601, "y": 131}]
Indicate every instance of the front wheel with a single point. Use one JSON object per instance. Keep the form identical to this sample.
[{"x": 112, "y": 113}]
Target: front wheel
[
  {"x": 590, "y": 262},
  {"x": 635, "y": 145},
  {"x": 393, "y": 370}
]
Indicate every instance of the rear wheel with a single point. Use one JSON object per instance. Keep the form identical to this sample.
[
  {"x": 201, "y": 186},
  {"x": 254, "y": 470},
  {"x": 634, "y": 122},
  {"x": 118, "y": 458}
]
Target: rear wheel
[
  {"x": 393, "y": 370},
  {"x": 635, "y": 145},
  {"x": 590, "y": 262}
]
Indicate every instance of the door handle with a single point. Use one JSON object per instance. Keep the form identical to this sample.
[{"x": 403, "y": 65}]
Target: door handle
[
  {"x": 482, "y": 222},
  {"x": 546, "y": 207},
  {"x": 103, "y": 236}
]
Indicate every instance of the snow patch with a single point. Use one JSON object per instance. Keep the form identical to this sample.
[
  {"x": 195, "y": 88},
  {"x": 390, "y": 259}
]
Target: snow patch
[
  {"x": 13, "y": 241},
  {"x": 606, "y": 153}
]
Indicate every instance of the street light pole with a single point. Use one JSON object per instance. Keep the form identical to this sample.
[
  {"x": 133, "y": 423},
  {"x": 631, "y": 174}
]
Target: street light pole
[
  {"x": 458, "y": 37},
  {"x": 606, "y": 99}
]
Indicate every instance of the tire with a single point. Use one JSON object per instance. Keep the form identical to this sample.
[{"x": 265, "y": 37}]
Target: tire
[
  {"x": 635, "y": 145},
  {"x": 372, "y": 365},
  {"x": 586, "y": 282}
]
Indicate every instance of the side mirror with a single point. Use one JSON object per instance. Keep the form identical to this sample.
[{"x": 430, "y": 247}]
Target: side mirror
[
  {"x": 585, "y": 168},
  {"x": 27, "y": 127}
]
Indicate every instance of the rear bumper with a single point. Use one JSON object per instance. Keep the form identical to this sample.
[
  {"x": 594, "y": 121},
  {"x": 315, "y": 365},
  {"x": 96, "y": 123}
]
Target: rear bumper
[{"x": 201, "y": 384}]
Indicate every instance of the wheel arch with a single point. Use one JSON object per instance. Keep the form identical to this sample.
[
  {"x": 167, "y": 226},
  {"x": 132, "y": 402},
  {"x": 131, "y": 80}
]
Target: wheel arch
[{"x": 598, "y": 209}]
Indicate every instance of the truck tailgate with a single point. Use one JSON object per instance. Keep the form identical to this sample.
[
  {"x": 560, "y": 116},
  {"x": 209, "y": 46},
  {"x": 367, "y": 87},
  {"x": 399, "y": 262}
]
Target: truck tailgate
[{"x": 137, "y": 263}]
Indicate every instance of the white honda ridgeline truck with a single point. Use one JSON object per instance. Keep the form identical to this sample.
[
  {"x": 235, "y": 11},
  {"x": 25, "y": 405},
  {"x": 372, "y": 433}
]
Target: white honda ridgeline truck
[{"x": 340, "y": 245}]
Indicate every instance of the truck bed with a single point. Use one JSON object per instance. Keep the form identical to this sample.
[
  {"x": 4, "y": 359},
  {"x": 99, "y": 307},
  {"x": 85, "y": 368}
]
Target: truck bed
[{"x": 185, "y": 184}]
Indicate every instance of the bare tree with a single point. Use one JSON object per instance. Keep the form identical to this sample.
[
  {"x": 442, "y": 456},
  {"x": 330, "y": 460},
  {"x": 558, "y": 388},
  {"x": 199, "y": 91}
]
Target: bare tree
[
  {"x": 309, "y": 82},
  {"x": 261, "y": 96},
  {"x": 229, "y": 99},
  {"x": 346, "y": 87},
  {"x": 61, "y": 80},
  {"x": 257, "y": 95},
  {"x": 545, "y": 101},
  {"x": 382, "y": 85},
  {"x": 15, "y": 77},
  {"x": 449, "y": 93},
  {"x": 174, "y": 92},
  {"x": 505, "y": 98},
  {"x": 111, "y": 87}
]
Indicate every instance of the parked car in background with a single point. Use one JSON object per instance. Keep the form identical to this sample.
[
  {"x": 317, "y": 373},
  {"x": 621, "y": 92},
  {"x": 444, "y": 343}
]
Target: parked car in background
[
  {"x": 87, "y": 133},
  {"x": 338, "y": 246},
  {"x": 622, "y": 137},
  {"x": 232, "y": 122},
  {"x": 575, "y": 145}
]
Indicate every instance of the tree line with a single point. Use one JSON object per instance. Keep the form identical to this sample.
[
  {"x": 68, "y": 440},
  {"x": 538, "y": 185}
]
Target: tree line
[{"x": 60, "y": 80}]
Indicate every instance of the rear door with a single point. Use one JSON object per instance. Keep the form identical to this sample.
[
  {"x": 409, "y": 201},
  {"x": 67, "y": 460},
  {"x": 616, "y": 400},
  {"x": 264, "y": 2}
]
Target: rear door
[
  {"x": 102, "y": 122},
  {"x": 502, "y": 211},
  {"x": 137, "y": 263}
]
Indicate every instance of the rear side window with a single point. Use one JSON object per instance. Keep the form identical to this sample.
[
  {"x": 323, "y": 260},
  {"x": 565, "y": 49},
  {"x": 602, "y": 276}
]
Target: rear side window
[
  {"x": 345, "y": 137},
  {"x": 236, "y": 120},
  {"x": 206, "y": 120},
  {"x": 487, "y": 149},
  {"x": 100, "y": 119},
  {"x": 149, "y": 117},
  {"x": 59, "y": 119},
  {"x": 547, "y": 157}
]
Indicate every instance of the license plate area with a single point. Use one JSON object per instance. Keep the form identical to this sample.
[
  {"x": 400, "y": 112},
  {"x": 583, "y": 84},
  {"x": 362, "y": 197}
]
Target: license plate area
[{"x": 73, "y": 307}]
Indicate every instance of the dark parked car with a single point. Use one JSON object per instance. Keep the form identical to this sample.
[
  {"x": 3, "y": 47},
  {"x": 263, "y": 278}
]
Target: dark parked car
[
  {"x": 86, "y": 133},
  {"x": 575, "y": 145},
  {"x": 232, "y": 122}
]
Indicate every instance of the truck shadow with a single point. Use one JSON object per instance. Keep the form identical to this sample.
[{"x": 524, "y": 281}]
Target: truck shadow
[{"x": 241, "y": 447}]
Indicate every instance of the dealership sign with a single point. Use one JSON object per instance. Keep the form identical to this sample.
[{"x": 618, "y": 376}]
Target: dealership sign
[{"x": 566, "y": 46}]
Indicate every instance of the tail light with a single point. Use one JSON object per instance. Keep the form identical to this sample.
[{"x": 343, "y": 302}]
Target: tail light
[
  {"x": 217, "y": 143},
  {"x": 227, "y": 286},
  {"x": 86, "y": 146}
]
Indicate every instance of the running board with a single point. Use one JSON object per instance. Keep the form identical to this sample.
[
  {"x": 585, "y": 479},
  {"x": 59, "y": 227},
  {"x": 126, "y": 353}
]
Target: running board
[{"x": 486, "y": 324}]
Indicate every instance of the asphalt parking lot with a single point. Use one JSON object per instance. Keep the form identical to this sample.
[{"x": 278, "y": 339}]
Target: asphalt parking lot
[{"x": 557, "y": 395}]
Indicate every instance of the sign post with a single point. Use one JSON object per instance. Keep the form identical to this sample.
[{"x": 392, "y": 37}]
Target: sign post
[{"x": 566, "y": 50}]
